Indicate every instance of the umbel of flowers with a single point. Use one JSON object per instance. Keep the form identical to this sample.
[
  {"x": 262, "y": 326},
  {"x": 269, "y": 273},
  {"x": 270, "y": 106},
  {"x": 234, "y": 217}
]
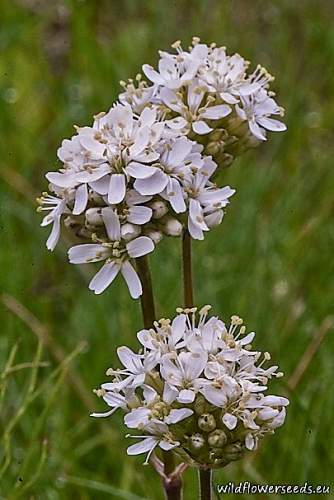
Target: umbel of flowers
[
  {"x": 197, "y": 387},
  {"x": 148, "y": 167}
]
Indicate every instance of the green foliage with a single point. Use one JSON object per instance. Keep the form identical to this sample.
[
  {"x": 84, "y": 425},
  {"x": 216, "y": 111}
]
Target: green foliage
[{"x": 270, "y": 261}]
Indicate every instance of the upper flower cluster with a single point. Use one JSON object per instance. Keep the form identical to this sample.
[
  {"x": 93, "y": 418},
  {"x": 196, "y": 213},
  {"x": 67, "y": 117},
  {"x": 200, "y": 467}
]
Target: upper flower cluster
[
  {"x": 211, "y": 97},
  {"x": 197, "y": 387},
  {"x": 147, "y": 167}
]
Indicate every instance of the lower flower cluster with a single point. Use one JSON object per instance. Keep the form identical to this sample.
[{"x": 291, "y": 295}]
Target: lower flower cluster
[{"x": 197, "y": 387}]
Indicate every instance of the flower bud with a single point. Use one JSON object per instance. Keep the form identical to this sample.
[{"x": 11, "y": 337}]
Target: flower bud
[
  {"x": 200, "y": 404},
  {"x": 173, "y": 227},
  {"x": 94, "y": 217},
  {"x": 72, "y": 222},
  {"x": 217, "y": 438},
  {"x": 156, "y": 236},
  {"x": 233, "y": 451},
  {"x": 214, "y": 148},
  {"x": 159, "y": 208},
  {"x": 130, "y": 231},
  {"x": 207, "y": 422},
  {"x": 97, "y": 199},
  {"x": 197, "y": 441}
]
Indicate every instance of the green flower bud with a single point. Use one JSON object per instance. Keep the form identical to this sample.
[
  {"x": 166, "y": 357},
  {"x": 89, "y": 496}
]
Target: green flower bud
[
  {"x": 197, "y": 441},
  {"x": 206, "y": 422},
  {"x": 217, "y": 438},
  {"x": 233, "y": 451},
  {"x": 200, "y": 405}
]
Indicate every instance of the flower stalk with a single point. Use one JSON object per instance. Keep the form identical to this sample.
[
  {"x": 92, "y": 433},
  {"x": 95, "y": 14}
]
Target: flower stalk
[
  {"x": 172, "y": 482},
  {"x": 205, "y": 484},
  {"x": 187, "y": 270}
]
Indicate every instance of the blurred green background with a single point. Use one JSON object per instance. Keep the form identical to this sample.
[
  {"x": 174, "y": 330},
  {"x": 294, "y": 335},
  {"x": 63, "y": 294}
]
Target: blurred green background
[{"x": 271, "y": 261}]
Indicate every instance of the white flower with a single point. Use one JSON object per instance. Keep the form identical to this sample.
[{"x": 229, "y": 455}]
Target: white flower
[
  {"x": 184, "y": 373},
  {"x": 257, "y": 109},
  {"x": 156, "y": 407},
  {"x": 205, "y": 200},
  {"x": 174, "y": 71},
  {"x": 99, "y": 155},
  {"x": 194, "y": 114},
  {"x": 132, "y": 210},
  {"x": 196, "y": 387},
  {"x": 116, "y": 254},
  {"x": 56, "y": 207},
  {"x": 226, "y": 75},
  {"x": 166, "y": 336},
  {"x": 158, "y": 435}
]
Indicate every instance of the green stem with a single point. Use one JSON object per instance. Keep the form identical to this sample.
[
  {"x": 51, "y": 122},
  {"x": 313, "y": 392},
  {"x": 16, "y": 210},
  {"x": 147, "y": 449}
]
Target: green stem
[
  {"x": 205, "y": 484},
  {"x": 187, "y": 270},
  {"x": 172, "y": 484}
]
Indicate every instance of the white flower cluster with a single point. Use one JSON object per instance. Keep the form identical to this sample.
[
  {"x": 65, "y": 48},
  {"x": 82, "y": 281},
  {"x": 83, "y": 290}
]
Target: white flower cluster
[
  {"x": 147, "y": 167},
  {"x": 197, "y": 387}
]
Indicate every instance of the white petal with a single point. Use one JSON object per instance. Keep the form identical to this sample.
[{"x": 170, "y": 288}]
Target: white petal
[
  {"x": 137, "y": 417},
  {"x": 117, "y": 188},
  {"x": 214, "y": 395},
  {"x": 89, "y": 252},
  {"x": 177, "y": 123},
  {"x": 216, "y": 112},
  {"x": 186, "y": 396},
  {"x": 167, "y": 445},
  {"x": 230, "y": 421},
  {"x": 176, "y": 415},
  {"x": 114, "y": 399},
  {"x": 201, "y": 128},
  {"x": 132, "y": 280},
  {"x": 134, "y": 198},
  {"x": 92, "y": 175},
  {"x": 248, "y": 339},
  {"x": 101, "y": 186},
  {"x": 171, "y": 100},
  {"x": 194, "y": 230},
  {"x": 250, "y": 442},
  {"x": 112, "y": 224},
  {"x": 142, "y": 139},
  {"x": 54, "y": 235},
  {"x": 130, "y": 360},
  {"x": 92, "y": 145},
  {"x": 145, "y": 445},
  {"x": 104, "y": 277},
  {"x": 196, "y": 214},
  {"x": 145, "y": 339},
  {"x": 170, "y": 373},
  {"x": 180, "y": 150},
  {"x": 140, "y": 171},
  {"x": 228, "y": 98},
  {"x": 178, "y": 327},
  {"x": 174, "y": 193},
  {"x": 275, "y": 401},
  {"x": 139, "y": 214},
  {"x": 267, "y": 413},
  {"x": 61, "y": 180},
  {"x": 148, "y": 117},
  {"x": 257, "y": 131},
  {"x": 271, "y": 124},
  {"x": 169, "y": 394},
  {"x": 151, "y": 74},
  {"x": 214, "y": 219},
  {"x": 81, "y": 198},
  {"x": 279, "y": 420},
  {"x": 140, "y": 246},
  {"x": 153, "y": 185}
]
